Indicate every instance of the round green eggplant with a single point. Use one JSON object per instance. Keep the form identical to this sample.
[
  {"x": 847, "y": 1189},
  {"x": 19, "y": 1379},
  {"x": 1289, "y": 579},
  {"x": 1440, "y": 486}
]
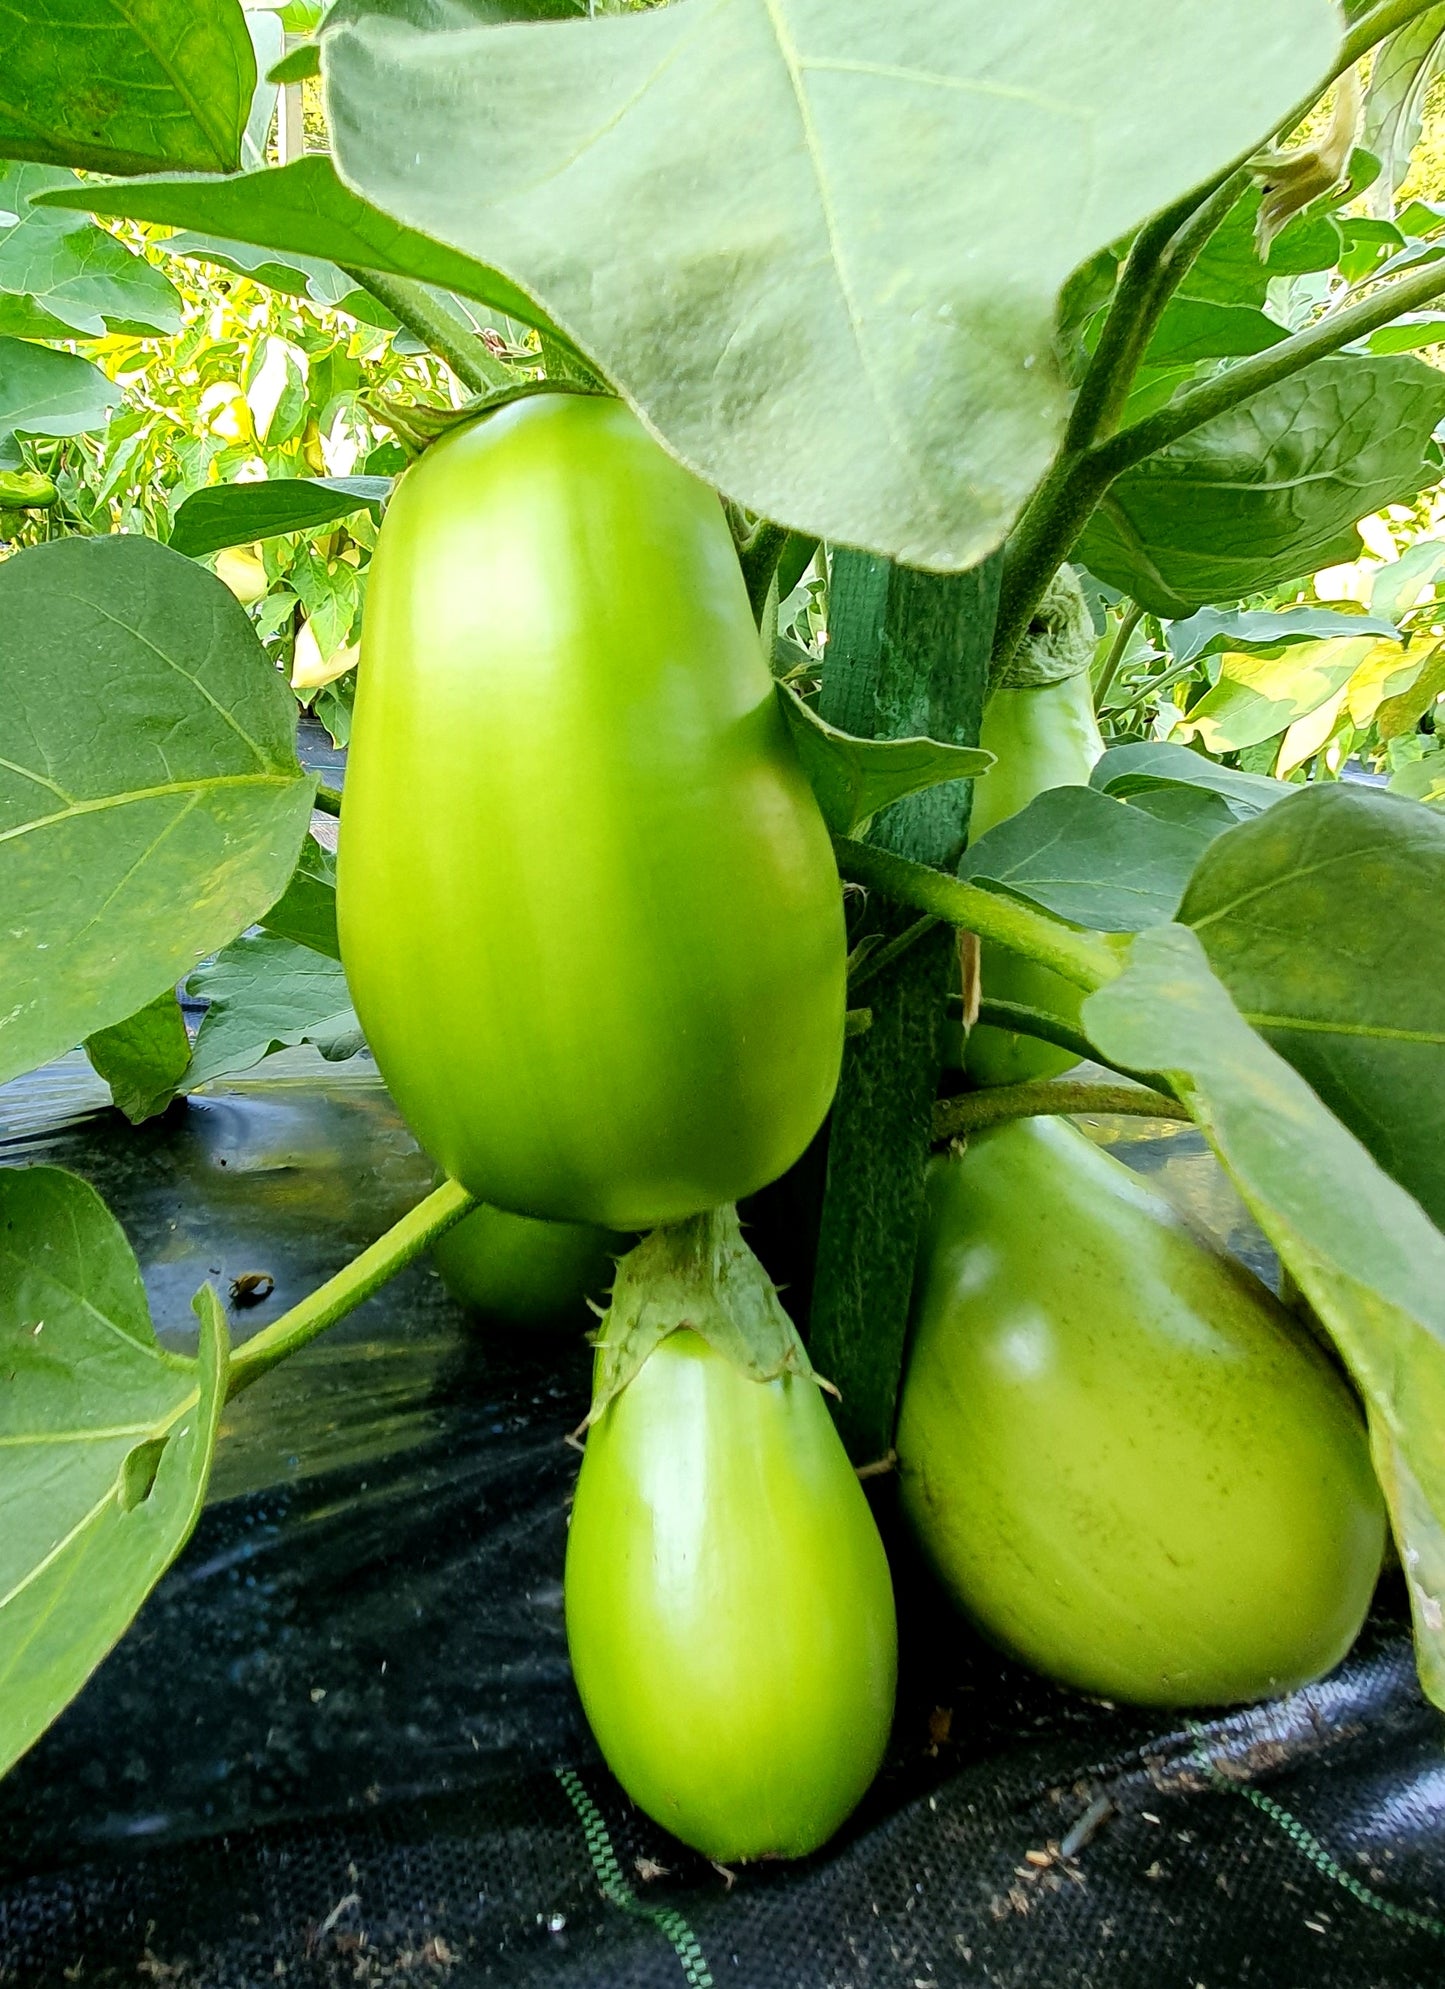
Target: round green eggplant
[
  {"x": 1127, "y": 1462},
  {"x": 588, "y": 907},
  {"x": 516, "y": 1271},
  {"x": 1042, "y": 736},
  {"x": 729, "y": 1606}
]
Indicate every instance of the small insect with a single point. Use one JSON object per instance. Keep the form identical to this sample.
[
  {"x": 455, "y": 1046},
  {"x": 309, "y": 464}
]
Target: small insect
[{"x": 252, "y": 1287}]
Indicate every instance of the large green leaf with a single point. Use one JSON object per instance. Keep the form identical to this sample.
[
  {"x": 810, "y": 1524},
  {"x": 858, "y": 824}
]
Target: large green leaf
[
  {"x": 162, "y": 86},
  {"x": 1100, "y": 862},
  {"x": 237, "y": 514},
  {"x": 306, "y": 909},
  {"x": 854, "y": 778},
  {"x": 151, "y": 802},
  {"x": 1213, "y": 629},
  {"x": 61, "y": 275},
  {"x": 1325, "y": 919},
  {"x": 304, "y": 208},
  {"x": 43, "y": 392},
  {"x": 106, "y": 1441},
  {"x": 294, "y": 274},
  {"x": 1362, "y": 1250},
  {"x": 835, "y": 231},
  {"x": 268, "y": 993},
  {"x": 1126, "y": 771},
  {"x": 1272, "y": 489},
  {"x": 144, "y": 1058}
]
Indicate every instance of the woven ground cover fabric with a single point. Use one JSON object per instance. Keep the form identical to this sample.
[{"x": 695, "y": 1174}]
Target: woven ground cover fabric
[{"x": 341, "y": 1745}]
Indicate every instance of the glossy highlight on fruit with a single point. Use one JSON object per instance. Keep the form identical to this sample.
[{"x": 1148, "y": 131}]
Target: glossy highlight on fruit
[
  {"x": 729, "y": 1606},
  {"x": 1127, "y": 1462},
  {"x": 1042, "y": 736},
  {"x": 517, "y": 1271},
  {"x": 588, "y": 908}
]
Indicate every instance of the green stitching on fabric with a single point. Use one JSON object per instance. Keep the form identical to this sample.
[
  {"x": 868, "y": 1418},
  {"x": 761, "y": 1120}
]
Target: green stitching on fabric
[
  {"x": 615, "y": 1887},
  {"x": 1309, "y": 1846}
]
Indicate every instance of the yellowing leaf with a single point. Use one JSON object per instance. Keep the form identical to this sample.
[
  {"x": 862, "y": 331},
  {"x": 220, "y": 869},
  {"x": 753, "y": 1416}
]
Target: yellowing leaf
[
  {"x": 310, "y": 670},
  {"x": 1387, "y": 672},
  {"x": 1402, "y": 712},
  {"x": 1307, "y": 736},
  {"x": 1258, "y": 696}
]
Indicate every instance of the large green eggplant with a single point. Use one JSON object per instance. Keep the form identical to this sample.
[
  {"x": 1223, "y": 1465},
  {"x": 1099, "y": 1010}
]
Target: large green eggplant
[
  {"x": 588, "y": 906},
  {"x": 729, "y": 1607},
  {"x": 1128, "y": 1463}
]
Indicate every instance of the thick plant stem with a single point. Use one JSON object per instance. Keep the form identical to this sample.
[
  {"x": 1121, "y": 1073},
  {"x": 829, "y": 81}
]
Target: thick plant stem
[
  {"x": 343, "y": 1293},
  {"x": 410, "y": 305},
  {"x": 972, "y": 1111},
  {"x": 1083, "y": 959}
]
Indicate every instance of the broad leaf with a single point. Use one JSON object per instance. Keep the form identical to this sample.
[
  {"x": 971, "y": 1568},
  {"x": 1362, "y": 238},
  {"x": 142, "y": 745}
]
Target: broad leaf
[
  {"x": 293, "y": 274},
  {"x": 1401, "y": 714},
  {"x": 1214, "y": 629},
  {"x": 1362, "y": 1250},
  {"x": 43, "y": 392},
  {"x": 1258, "y": 696},
  {"x": 1272, "y": 489},
  {"x": 61, "y": 275},
  {"x": 304, "y": 208},
  {"x": 1323, "y": 918},
  {"x": 1099, "y": 862},
  {"x": 267, "y": 994},
  {"x": 107, "y": 1442},
  {"x": 144, "y": 1058},
  {"x": 151, "y": 802},
  {"x": 1400, "y": 76},
  {"x": 237, "y": 514},
  {"x": 306, "y": 910},
  {"x": 847, "y": 333},
  {"x": 163, "y": 87},
  {"x": 1126, "y": 771},
  {"x": 854, "y": 778},
  {"x": 1195, "y": 328},
  {"x": 1230, "y": 269}
]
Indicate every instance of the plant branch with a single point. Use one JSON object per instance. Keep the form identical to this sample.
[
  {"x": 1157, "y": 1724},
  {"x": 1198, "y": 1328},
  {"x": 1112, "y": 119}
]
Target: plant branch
[
  {"x": 1022, "y": 1020},
  {"x": 343, "y": 1293},
  {"x": 874, "y": 963},
  {"x": 1237, "y": 384},
  {"x": 1066, "y": 499},
  {"x": 435, "y": 326},
  {"x": 1133, "y": 615},
  {"x": 1084, "y": 959},
  {"x": 972, "y": 1111}
]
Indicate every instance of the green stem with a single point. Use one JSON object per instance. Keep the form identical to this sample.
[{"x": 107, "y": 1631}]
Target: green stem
[
  {"x": 327, "y": 799},
  {"x": 884, "y": 956},
  {"x": 1084, "y": 959},
  {"x": 972, "y": 1111},
  {"x": 350, "y": 1287},
  {"x": 759, "y": 560},
  {"x": 1133, "y": 615},
  {"x": 410, "y": 305},
  {"x": 1021, "y": 1020},
  {"x": 1237, "y": 384},
  {"x": 1064, "y": 502}
]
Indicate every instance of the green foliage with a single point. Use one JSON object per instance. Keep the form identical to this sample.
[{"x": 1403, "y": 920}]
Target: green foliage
[
  {"x": 834, "y": 372},
  {"x": 268, "y": 993},
  {"x": 138, "y": 831},
  {"x": 144, "y": 1058},
  {"x": 108, "y": 1442}
]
